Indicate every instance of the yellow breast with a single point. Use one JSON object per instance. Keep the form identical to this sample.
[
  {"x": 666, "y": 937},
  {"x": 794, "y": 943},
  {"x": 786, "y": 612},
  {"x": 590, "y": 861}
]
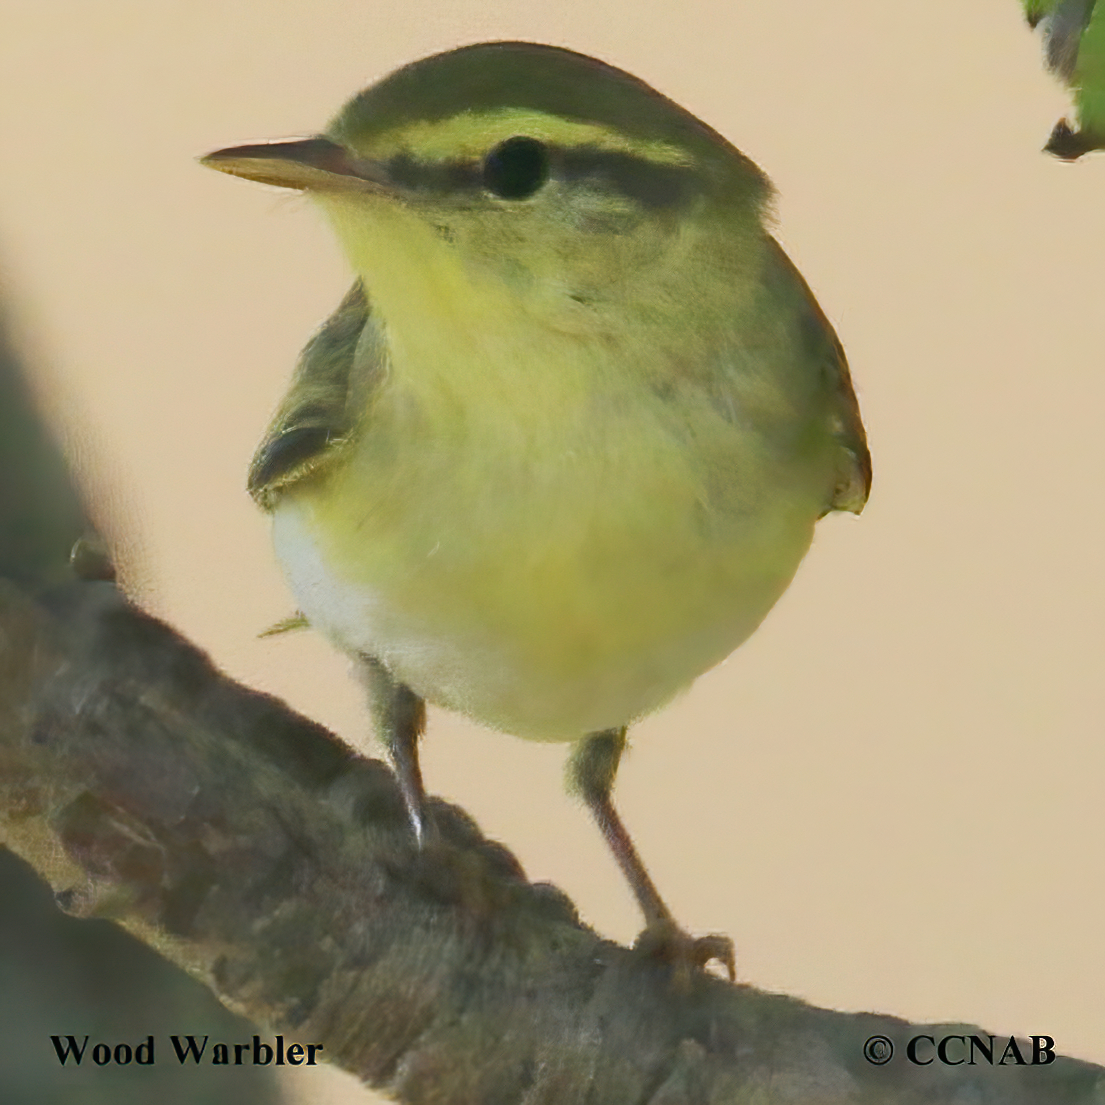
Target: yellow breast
[
  {"x": 556, "y": 567},
  {"x": 553, "y": 519}
]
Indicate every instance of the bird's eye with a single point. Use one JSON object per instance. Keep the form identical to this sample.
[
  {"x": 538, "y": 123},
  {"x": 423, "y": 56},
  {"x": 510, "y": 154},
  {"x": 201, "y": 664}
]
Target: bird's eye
[{"x": 516, "y": 168}]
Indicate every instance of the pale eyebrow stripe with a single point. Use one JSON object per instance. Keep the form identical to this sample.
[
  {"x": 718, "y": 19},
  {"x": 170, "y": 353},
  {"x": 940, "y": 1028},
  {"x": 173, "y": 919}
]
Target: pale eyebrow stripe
[{"x": 471, "y": 134}]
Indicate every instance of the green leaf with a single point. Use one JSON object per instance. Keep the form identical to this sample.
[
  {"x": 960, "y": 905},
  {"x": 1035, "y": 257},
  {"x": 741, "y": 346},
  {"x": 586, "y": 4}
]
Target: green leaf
[{"x": 1074, "y": 43}]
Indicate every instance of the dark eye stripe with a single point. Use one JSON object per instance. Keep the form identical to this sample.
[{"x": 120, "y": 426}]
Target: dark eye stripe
[
  {"x": 435, "y": 176},
  {"x": 648, "y": 183}
]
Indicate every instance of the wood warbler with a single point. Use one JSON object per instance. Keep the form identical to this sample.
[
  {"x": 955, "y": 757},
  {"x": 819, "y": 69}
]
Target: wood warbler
[{"x": 563, "y": 444}]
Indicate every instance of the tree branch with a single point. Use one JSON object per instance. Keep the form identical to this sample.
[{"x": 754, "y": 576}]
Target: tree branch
[{"x": 256, "y": 851}]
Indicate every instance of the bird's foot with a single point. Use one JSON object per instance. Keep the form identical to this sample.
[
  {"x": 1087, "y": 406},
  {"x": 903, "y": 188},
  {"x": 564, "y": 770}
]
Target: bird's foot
[{"x": 663, "y": 939}]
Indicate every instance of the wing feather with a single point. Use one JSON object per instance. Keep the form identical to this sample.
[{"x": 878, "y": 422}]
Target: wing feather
[
  {"x": 319, "y": 413},
  {"x": 853, "y": 483}
]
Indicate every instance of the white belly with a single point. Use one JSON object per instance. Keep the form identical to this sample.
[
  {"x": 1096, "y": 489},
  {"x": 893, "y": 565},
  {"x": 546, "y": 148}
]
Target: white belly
[{"x": 546, "y": 607}]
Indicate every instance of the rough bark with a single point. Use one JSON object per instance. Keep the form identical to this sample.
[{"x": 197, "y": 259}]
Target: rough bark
[{"x": 254, "y": 850}]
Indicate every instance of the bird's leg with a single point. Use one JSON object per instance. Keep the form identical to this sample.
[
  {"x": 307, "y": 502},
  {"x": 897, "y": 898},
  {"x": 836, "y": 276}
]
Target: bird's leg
[
  {"x": 399, "y": 716},
  {"x": 591, "y": 771}
]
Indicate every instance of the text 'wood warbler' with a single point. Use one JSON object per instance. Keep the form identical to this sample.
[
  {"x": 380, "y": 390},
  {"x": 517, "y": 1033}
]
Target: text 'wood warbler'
[{"x": 563, "y": 444}]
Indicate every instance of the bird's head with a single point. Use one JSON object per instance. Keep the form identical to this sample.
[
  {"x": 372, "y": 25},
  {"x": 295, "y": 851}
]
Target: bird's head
[{"x": 517, "y": 170}]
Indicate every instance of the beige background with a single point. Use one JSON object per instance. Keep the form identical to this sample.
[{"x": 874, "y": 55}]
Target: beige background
[{"x": 892, "y": 795}]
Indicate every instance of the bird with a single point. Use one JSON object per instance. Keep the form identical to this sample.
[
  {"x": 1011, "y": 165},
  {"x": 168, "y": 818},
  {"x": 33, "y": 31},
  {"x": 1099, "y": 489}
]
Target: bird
[{"x": 564, "y": 443}]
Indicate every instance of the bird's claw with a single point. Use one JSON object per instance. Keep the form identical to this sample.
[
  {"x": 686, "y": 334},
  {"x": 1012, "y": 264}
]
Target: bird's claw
[{"x": 664, "y": 939}]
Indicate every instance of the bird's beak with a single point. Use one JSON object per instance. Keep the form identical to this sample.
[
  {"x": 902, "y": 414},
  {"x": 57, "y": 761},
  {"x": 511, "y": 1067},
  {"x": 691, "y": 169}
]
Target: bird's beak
[{"x": 314, "y": 164}]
